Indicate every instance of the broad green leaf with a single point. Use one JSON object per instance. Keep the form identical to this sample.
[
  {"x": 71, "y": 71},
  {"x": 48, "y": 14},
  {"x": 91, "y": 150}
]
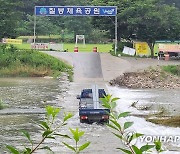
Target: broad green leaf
[
  {"x": 105, "y": 103},
  {"x": 136, "y": 149},
  {"x": 113, "y": 116},
  {"x": 67, "y": 116},
  {"x": 46, "y": 133},
  {"x": 84, "y": 146},
  {"x": 125, "y": 150},
  {"x": 116, "y": 124},
  {"x": 28, "y": 151},
  {"x": 44, "y": 124},
  {"x": 127, "y": 125},
  {"x": 119, "y": 136},
  {"x": 55, "y": 112},
  {"x": 52, "y": 111},
  {"x": 146, "y": 147},
  {"x": 158, "y": 146},
  {"x": 62, "y": 135},
  {"x": 111, "y": 126},
  {"x": 51, "y": 137},
  {"x": 115, "y": 99},
  {"x": 135, "y": 135},
  {"x": 49, "y": 110},
  {"x": 70, "y": 147},
  {"x": 27, "y": 135},
  {"x": 46, "y": 148},
  {"x": 113, "y": 105},
  {"x": 81, "y": 133},
  {"x": 75, "y": 134},
  {"x": 124, "y": 114},
  {"x": 12, "y": 149}
]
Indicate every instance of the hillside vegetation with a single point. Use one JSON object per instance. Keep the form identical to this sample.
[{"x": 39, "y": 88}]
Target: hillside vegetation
[{"x": 29, "y": 63}]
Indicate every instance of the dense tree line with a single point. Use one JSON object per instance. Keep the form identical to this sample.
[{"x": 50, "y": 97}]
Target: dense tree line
[
  {"x": 145, "y": 20},
  {"x": 175, "y": 3}
]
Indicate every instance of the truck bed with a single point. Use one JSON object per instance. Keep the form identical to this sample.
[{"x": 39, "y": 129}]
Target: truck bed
[{"x": 90, "y": 106}]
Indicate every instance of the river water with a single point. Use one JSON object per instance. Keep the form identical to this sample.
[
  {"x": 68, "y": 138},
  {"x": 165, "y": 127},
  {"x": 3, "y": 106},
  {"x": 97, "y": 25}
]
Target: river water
[
  {"x": 150, "y": 102},
  {"x": 26, "y": 98}
]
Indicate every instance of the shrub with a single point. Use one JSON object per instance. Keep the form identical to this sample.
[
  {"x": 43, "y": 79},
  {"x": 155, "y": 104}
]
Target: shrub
[
  {"x": 16, "y": 62},
  {"x": 173, "y": 69}
]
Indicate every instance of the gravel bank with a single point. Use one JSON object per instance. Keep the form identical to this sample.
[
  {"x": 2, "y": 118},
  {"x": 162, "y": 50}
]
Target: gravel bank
[{"x": 149, "y": 78}]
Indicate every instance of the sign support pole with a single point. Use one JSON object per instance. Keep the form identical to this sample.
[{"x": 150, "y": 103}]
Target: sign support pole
[
  {"x": 116, "y": 33},
  {"x": 34, "y": 29}
]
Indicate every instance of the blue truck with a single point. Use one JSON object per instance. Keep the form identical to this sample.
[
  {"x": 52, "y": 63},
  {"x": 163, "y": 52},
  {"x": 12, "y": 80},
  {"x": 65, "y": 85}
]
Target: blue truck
[{"x": 90, "y": 106}]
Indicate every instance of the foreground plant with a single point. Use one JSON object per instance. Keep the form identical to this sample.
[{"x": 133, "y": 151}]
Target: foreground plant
[
  {"x": 2, "y": 104},
  {"x": 49, "y": 131},
  {"x": 121, "y": 130},
  {"x": 76, "y": 136}
]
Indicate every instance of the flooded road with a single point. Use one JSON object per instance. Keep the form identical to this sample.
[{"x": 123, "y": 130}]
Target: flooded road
[
  {"x": 148, "y": 100},
  {"x": 150, "y": 103},
  {"x": 26, "y": 99}
]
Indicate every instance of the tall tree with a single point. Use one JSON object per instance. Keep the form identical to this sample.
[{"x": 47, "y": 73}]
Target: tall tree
[
  {"x": 150, "y": 21},
  {"x": 9, "y": 16},
  {"x": 43, "y": 26},
  {"x": 146, "y": 20},
  {"x": 175, "y": 3}
]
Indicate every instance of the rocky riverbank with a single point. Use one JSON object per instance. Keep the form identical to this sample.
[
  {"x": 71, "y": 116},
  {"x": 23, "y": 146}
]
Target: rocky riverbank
[{"x": 150, "y": 78}]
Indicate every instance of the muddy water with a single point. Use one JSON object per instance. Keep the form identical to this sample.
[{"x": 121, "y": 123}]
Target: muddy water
[
  {"x": 148, "y": 101},
  {"x": 25, "y": 99}
]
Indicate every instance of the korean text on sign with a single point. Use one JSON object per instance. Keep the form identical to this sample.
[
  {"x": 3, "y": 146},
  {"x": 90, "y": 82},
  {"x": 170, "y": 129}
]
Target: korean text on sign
[{"x": 75, "y": 11}]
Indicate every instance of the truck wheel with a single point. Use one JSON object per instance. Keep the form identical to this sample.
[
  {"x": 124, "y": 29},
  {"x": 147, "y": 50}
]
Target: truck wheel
[{"x": 82, "y": 121}]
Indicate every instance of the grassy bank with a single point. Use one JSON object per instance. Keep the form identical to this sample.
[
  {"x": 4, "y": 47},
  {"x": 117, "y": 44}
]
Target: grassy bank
[
  {"x": 29, "y": 63},
  {"x": 173, "y": 69},
  {"x": 70, "y": 47}
]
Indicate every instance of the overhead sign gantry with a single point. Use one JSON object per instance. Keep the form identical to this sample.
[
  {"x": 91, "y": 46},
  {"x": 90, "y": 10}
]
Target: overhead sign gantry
[{"x": 77, "y": 11}]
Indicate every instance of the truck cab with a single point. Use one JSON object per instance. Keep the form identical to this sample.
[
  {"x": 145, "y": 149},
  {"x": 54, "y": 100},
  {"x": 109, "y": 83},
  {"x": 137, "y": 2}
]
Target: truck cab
[{"x": 90, "y": 106}]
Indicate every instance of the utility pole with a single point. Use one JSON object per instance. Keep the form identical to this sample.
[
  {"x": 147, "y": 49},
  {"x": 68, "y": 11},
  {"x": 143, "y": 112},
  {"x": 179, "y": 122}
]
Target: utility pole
[{"x": 116, "y": 33}]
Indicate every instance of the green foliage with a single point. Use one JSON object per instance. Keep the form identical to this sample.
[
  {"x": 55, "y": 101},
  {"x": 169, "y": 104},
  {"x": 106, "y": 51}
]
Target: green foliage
[
  {"x": 158, "y": 146},
  {"x": 9, "y": 16},
  {"x": 49, "y": 131},
  {"x": 173, "y": 3},
  {"x": 121, "y": 130},
  {"x": 2, "y": 104},
  {"x": 76, "y": 136},
  {"x": 146, "y": 147},
  {"x": 43, "y": 26},
  {"x": 142, "y": 20},
  {"x": 173, "y": 69},
  {"x": 12, "y": 149},
  {"x": 16, "y": 62}
]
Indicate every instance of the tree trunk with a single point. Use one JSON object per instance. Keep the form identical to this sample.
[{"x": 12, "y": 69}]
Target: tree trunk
[{"x": 151, "y": 46}]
